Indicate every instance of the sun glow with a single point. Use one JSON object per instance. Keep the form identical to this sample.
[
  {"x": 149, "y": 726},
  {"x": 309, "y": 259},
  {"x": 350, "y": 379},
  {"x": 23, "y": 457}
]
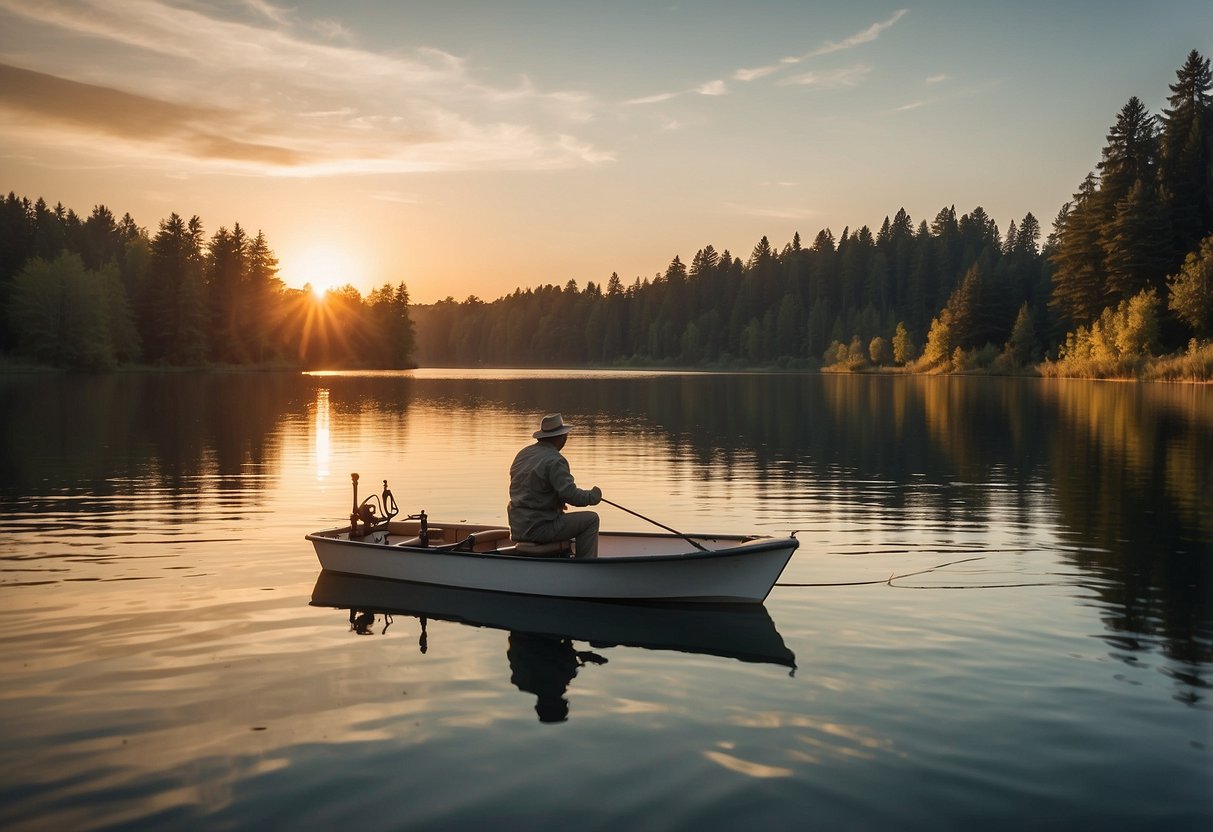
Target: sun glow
[{"x": 324, "y": 267}]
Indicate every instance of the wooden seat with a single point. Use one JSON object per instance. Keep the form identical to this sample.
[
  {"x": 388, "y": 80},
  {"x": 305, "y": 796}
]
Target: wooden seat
[{"x": 560, "y": 548}]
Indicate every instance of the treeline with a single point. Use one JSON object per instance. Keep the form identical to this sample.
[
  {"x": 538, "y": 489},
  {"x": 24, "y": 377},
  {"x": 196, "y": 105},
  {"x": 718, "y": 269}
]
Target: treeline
[
  {"x": 779, "y": 306},
  {"x": 98, "y": 292},
  {"x": 954, "y": 293}
]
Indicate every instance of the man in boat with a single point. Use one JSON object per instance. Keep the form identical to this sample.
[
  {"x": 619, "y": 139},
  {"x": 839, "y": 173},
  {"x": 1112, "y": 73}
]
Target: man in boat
[{"x": 541, "y": 487}]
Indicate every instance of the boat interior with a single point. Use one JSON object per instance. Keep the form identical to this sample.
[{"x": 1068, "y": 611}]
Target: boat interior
[
  {"x": 374, "y": 521},
  {"x": 473, "y": 537},
  {"x": 467, "y": 536}
]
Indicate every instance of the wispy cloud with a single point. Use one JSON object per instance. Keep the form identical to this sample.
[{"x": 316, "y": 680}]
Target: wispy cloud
[
  {"x": 653, "y": 99},
  {"x": 711, "y": 88},
  {"x": 262, "y": 88},
  {"x": 831, "y": 78},
  {"x": 866, "y": 36},
  {"x": 935, "y": 79},
  {"x": 269, "y": 11},
  {"x": 843, "y": 77},
  {"x": 755, "y": 73}
]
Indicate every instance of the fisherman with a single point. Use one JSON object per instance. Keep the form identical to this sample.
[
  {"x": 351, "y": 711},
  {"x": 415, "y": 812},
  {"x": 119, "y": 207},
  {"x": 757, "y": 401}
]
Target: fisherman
[{"x": 541, "y": 487}]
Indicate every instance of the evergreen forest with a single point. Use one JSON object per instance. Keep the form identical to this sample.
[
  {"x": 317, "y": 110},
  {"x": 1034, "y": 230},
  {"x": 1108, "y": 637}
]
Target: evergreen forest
[
  {"x": 1125, "y": 273},
  {"x": 1122, "y": 281},
  {"x": 99, "y": 292}
]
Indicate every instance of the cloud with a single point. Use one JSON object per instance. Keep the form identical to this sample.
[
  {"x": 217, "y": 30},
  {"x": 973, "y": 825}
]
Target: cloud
[
  {"x": 332, "y": 30},
  {"x": 263, "y": 91},
  {"x": 653, "y": 99},
  {"x": 269, "y": 11},
  {"x": 831, "y": 79},
  {"x": 89, "y": 111},
  {"x": 866, "y": 36},
  {"x": 755, "y": 73},
  {"x": 712, "y": 88},
  {"x": 935, "y": 79}
]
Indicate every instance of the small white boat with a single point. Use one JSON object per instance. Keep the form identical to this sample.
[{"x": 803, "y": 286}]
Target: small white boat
[{"x": 630, "y": 565}]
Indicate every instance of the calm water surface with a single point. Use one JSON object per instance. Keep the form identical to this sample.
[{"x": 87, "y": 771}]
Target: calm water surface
[{"x": 1001, "y": 612}]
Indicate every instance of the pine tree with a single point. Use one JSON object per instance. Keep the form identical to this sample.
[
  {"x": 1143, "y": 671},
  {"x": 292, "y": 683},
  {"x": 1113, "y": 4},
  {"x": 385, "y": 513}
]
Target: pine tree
[
  {"x": 963, "y": 312},
  {"x": 1011, "y": 240},
  {"x": 264, "y": 298},
  {"x": 101, "y": 242},
  {"x": 1131, "y": 153},
  {"x": 1078, "y": 287},
  {"x": 920, "y": 290},
  {"x": 1186, "y": 157},
  {"x": 945, "y": 230},
  {"x": 1027, "y": 237},
  {"x": 1022, "y": 345},
  {"x": 1136, "y": 245},
  {"x": 227, "y": 295},
  {"x": 172, "y": 313},
  {"x": 978, "y": 231}
]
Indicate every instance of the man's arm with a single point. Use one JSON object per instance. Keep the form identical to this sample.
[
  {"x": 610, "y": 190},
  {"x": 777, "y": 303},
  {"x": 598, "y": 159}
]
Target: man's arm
[{"x": 561, "y": 479}]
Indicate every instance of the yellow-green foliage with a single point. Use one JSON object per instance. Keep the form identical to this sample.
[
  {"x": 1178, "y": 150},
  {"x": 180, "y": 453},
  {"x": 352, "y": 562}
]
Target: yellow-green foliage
[
  {"x": 1194, "y": 365},
  {"x": 1192, "y": 289},
  {"x": 938, "y": 350},
  {"x": 1115, "y": 346},
  {"x": 903, "y": 347}
]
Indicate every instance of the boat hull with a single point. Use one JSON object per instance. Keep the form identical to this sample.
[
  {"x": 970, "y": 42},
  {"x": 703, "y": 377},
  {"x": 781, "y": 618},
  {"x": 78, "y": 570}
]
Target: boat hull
[{"x": 738, "y": 571}]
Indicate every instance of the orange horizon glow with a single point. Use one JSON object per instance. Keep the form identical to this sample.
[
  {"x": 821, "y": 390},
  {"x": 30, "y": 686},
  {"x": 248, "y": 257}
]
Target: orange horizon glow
[
  {"x": 416, "y": 150},
  {"x": 323, "y": 266}
]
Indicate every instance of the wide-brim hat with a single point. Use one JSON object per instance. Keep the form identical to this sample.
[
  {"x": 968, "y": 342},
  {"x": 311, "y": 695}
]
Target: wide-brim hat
[{"x": 552, "y": 425}]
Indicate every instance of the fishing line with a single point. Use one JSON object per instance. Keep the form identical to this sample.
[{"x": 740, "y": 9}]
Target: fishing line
[{"x": 889, "y": 580}]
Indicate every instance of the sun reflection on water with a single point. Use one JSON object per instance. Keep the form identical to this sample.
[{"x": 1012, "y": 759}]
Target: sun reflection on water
[{"x": 323, "y": 438}]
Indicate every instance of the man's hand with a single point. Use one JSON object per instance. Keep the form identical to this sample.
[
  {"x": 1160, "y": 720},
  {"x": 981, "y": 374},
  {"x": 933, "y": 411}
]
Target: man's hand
[{"x": 595, "y": 496}]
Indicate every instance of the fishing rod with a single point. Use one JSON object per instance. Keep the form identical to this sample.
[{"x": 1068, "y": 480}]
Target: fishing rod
[{"x": 694, "y": 543}]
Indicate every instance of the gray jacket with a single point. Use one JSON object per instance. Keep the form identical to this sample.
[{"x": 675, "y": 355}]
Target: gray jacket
[{"x": 540, "y": 486}]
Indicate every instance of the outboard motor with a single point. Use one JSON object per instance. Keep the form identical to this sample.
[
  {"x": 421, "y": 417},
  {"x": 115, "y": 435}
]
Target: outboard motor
[{"x": 375, "y": 510}]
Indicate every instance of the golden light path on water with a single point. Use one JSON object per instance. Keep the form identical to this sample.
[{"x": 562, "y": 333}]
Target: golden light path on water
[{"x": 323, "y": 435}]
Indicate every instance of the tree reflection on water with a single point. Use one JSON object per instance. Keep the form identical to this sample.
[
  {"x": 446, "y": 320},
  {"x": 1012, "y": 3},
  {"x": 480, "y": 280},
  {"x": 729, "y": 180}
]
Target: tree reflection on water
[{"x": 1123, "y": 470}]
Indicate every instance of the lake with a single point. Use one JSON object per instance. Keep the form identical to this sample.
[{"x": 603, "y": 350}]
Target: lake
[{"x": 1000, "y": 615}]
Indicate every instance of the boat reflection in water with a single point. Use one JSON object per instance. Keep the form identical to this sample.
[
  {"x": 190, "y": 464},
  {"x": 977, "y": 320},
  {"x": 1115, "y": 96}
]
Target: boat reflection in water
[{"x": 542, "y": 630}]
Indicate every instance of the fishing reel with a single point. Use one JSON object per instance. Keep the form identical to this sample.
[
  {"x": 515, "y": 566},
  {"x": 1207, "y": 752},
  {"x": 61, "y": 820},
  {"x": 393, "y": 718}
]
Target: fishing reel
[{"x": 372, "y": 512}]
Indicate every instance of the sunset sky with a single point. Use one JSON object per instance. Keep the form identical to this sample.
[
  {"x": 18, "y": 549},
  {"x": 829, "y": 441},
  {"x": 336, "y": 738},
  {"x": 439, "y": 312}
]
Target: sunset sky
[{"x": 474, "y": 147}]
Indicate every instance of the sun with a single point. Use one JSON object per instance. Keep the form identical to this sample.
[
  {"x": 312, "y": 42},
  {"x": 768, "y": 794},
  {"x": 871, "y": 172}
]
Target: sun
[{"x": 323, "y": 266}]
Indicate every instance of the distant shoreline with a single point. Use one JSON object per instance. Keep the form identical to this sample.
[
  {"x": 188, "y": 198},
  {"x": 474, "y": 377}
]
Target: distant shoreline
[{"x": 1175, "y": 368}]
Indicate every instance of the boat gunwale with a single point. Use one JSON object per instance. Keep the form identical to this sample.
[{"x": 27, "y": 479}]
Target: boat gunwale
[{"x": 750, "y": 545}]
